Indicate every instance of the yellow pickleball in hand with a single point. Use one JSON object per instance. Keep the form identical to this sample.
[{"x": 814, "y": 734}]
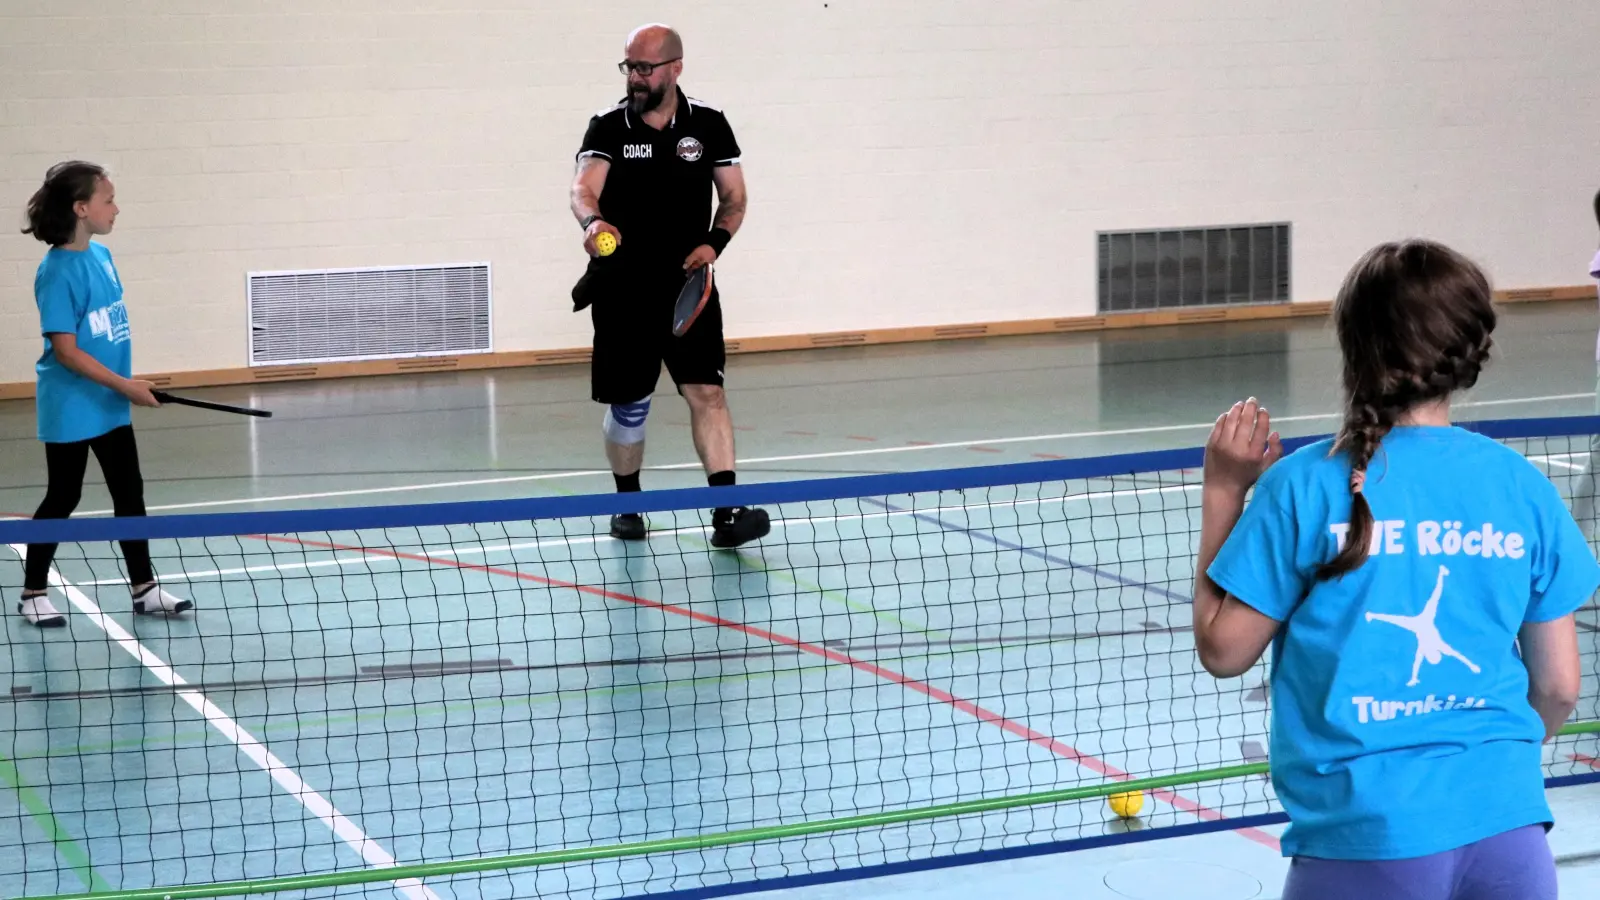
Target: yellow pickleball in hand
[
  {"x": 1126, "y": 805},
  {"x": 604, "y": 243}
]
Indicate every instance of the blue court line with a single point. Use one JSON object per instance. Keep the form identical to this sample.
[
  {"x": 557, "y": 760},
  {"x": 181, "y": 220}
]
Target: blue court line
[
  {"x": 321, "y": 521},
  {"x": 991, "y": 538},
  {"x": 976, "y": 857}
]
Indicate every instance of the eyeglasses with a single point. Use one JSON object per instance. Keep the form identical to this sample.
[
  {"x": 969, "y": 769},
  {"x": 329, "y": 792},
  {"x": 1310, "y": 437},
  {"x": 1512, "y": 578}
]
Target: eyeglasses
[{"x": 643, "y": 68}]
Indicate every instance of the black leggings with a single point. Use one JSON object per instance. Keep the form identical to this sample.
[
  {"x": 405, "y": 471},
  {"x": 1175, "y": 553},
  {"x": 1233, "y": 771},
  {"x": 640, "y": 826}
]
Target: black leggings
[{"x": 118, "y": 455}]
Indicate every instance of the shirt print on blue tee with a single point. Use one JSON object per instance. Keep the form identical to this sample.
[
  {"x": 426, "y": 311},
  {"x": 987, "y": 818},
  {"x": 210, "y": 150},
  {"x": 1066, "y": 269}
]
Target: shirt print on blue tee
[
  {"x": 1400, "y": 724},
  {"x": 79, "y": 293}
]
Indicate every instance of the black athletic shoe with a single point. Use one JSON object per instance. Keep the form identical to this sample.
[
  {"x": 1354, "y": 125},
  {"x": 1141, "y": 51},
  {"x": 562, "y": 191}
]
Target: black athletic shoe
[
  {"x": 741, "y": 526},
  {"x": 627, "y": 527}
]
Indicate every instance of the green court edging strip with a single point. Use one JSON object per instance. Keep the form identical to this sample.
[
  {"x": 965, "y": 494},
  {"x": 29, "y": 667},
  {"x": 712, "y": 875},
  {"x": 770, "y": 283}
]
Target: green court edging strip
[
  {"x": 693, "y": 842},
  {"x": 68, "y": 849}
]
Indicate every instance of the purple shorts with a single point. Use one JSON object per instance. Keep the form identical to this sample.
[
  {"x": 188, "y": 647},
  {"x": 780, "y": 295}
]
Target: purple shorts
[{"x": 1516, "y": 865}]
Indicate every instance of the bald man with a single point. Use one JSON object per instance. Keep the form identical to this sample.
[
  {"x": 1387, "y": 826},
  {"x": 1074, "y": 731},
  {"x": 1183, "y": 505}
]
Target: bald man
[{"x": 645, "y": 175}]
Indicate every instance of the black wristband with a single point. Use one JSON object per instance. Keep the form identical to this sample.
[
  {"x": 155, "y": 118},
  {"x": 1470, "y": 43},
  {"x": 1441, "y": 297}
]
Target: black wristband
[
  {"x": 587, "y": 221},
  {"x": 718, "y": 238}
]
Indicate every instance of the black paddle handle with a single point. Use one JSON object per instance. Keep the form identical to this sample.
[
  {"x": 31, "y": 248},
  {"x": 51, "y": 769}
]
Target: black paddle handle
[{"x": 164, "y": 397}]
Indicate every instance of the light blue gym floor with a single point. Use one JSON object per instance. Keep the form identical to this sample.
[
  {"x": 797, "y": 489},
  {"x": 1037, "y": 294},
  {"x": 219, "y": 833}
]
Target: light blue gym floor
[{"x": 341, "y": 698}]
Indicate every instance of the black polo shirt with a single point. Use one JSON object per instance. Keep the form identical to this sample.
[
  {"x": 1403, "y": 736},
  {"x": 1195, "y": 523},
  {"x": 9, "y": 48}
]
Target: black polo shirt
[{"x": 658, "y": 192}]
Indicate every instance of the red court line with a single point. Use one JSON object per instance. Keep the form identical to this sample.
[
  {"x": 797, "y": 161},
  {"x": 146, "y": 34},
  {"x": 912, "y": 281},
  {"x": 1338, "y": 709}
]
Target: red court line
[
  {"x": 982, "y": 714},
  {"x": 1589, "y": 761},
  {"x": 1047, "y": 456},
  {"x": 984, "y": 449}
]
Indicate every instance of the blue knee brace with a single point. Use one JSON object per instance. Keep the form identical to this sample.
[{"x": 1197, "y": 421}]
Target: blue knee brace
[{"x": 624, "y": 422}]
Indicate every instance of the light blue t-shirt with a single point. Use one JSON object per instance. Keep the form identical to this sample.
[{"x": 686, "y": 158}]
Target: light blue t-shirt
[
  {"x": 79, "y": 293},
  {"x": 1401, "y": 725}
]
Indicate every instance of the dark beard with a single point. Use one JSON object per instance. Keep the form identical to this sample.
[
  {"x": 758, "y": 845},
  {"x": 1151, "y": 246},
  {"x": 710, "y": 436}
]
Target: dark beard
[{"x": 643, "y": 103}]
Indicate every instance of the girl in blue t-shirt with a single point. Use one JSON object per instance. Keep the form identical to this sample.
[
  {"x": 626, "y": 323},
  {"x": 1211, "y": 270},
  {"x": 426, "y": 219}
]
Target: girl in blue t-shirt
[
  {"x": 85, "y": 383},
  {"x": 1417, "y": 584}
]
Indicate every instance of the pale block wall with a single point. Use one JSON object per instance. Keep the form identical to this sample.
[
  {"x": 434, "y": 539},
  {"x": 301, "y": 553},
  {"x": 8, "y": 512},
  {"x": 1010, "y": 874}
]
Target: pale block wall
[{"x": 910, "y": 161}]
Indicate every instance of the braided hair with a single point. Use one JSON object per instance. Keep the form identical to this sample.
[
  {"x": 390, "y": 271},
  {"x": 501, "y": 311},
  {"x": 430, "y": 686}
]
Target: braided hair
[{"x": 1414, "y": 321}]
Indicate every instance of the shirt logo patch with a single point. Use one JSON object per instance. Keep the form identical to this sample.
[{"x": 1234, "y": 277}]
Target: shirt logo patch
[
  {"x": 110, "y": 322},
  {"x": 1431, "y": 644},
  {"x": 690, "y": 149},
  {"x": 1432, "y": 648},
  {"x": 637, "y": 151}
]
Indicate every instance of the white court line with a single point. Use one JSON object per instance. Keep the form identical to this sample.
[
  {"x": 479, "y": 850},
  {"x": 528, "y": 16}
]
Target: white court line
[
  {"x": 1552, "y": 461},
  {"x": 779, "y": 524},
  {"x": 1511, "y": 401},
  {"x": 315, "y": 803},
  {"x": 833, "y": 454}
]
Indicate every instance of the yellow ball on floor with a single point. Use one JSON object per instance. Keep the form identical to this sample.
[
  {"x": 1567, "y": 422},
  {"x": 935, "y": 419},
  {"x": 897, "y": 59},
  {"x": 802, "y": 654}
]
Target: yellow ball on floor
[{"x": 1126, "y": 805}]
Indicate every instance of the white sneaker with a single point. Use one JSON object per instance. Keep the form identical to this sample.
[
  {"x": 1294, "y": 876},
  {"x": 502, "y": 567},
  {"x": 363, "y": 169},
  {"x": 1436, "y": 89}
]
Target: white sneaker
[
  {"x": 157, "y": 601},
  {"x": 41, "y": 612}
]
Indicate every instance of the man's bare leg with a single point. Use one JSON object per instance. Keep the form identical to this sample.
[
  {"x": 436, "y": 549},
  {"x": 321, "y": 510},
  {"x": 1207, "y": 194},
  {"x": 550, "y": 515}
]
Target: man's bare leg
[
  {"x": 625, "y": 459},
  {"x": 712, "y": 426}
]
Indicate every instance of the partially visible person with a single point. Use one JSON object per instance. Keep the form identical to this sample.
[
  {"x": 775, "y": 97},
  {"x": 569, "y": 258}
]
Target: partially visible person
[
  {"x": 1417, "y": 584},
  {"x": 1588, "y": 489}
]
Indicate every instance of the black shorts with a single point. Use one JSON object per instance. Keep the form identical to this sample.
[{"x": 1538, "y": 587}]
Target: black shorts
[{"x": 633, "y": 337}]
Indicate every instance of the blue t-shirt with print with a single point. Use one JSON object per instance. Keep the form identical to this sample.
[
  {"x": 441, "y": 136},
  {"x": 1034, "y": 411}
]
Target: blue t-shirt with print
[
  {"x": 79, "y": 293},
  {"x": 1401, "y": 725}
]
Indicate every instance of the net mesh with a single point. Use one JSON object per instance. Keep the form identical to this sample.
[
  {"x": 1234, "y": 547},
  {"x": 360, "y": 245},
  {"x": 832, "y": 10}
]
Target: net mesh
[{"x": 346, "y": 695}]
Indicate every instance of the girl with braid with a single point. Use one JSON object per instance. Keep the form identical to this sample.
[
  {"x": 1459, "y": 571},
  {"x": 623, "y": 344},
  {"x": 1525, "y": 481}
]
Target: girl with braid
[{"x": 1417, "y": 584}]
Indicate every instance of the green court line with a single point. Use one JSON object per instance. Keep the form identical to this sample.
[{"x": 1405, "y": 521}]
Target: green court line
[
  {"x": 695, "y": 842},
  {"x": 68, "y": 849}
]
